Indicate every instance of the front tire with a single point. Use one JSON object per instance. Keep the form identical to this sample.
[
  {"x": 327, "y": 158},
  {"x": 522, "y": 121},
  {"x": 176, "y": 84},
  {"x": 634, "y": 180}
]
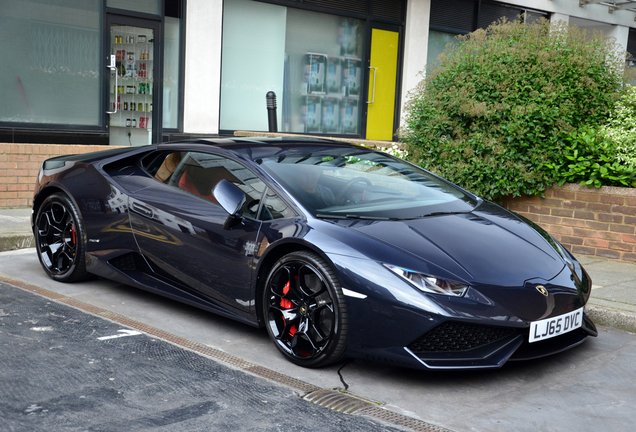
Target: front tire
[
  {"x": 59, "y": 238},
  {"x": 305, "y": 311}
]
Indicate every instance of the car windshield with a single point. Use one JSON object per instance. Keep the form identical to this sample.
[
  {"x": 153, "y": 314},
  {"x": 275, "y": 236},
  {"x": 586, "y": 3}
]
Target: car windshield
[{"x": 358, "y": 183}]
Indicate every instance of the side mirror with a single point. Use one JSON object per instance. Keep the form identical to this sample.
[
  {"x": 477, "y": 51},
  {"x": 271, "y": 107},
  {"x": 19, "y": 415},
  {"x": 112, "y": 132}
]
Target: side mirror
[{"x": 230, "y": 198}]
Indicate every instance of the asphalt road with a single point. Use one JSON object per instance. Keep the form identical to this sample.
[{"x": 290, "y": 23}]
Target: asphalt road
[
  {"x": 589, "y": 388},
  {"x": 65, "y": 370}
]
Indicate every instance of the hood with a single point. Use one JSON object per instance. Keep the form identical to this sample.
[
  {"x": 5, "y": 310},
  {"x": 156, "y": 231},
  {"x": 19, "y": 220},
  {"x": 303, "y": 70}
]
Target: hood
[{"x": 485, "y": 247}]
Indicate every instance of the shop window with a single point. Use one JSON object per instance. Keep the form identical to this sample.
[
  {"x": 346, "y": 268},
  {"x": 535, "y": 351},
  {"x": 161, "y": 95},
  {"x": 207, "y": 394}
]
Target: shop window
[
  {"x": 312, "y": 61},
  {"x": 50, "y": 69},
  {"x": 171, "y": 64}
]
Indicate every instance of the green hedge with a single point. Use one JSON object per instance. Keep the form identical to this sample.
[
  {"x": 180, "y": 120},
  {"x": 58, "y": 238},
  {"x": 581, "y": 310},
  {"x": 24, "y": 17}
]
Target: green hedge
[{"x": 495, "y": 114}]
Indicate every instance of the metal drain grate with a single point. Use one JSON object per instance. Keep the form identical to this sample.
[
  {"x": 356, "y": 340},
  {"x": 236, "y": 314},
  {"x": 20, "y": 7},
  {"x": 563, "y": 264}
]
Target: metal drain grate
[
  {"x": 400, "y": 420},
  {"x": 337, "y": 401}
]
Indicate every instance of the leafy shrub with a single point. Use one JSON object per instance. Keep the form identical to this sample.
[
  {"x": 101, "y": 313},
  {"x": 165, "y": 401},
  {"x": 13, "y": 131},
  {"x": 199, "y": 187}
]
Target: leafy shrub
[
  {"x": 591, "y": 159},
  {"x": 493, "y": 113},
  {"x": 621, "y": 128}
]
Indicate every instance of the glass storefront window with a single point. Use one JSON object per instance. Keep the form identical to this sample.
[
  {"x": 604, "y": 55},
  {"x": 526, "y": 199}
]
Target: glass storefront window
[
  {"x": 171, "y": 64},
  {"x": 437, "y": 42},
  {"x": 51, "y": 56},
  {"x": 311, "y": 60}
]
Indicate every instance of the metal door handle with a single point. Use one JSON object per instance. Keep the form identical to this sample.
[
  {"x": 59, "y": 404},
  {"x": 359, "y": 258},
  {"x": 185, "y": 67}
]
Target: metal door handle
[
  {"x": 373, "y": 94},
  {"x": 113, "y": 67}
]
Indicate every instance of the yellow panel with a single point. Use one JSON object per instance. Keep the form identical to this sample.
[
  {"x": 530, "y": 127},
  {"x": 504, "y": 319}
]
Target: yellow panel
[{"x": 384, "y": 53}]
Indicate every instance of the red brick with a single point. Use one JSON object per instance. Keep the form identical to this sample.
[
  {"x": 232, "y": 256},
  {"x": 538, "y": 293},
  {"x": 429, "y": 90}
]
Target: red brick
[
  {"x": 583, "y": 250},
  {"x": 630, "y": 201},
  {"x": 584, "y": 233},
  {"x": 8, "y": 195},
  {"x": 612, "y": 199},
  {"x": 600, "y": 208},
  {"x": 18, "y": 158},
  {"x": 606, "y": 235},
  {"x": 627, "y": 229},
  {"x": 596, "y": 243},
  {"x": 599, "y": 226},
  {"x": 625, "y": 210},
  {"x": 629, "y": 238},
  {"x": 627, "y": 256},
  {"x": 625, "y": 247},
  {"x": 571, "y": 240},
  {"x": 561, "y": 212},
  {"x": 630, "y": 220},
  {"x": 575, "y": 204},
  {"x": 566, "y": 195},
  {"x": 551, "y": 202},
  {"x": 560, "y": 229},
  {"x": 533, "y": 217},
  {"x": 573, "y": 222},
  {"x": 584, "y": 215},
  {"x": 544, "y": 219},
  {"x": 539, "y": 210},
  {"x": 587, "y": 196},
  {"x": 615, "y": 218},
  {"x": 518, "y": 207},
  {"x": 606, "y": 253},
  {"x": 18, "y": 187}
]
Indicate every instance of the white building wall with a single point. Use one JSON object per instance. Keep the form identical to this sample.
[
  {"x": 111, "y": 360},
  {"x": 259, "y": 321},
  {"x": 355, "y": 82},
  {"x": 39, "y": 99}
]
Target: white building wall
[
  {"x": 201, "y": 99},
  {"x": 418, "y": 13}
]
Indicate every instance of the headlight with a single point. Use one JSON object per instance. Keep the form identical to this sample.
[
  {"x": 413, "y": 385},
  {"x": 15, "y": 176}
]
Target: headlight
[{"x": 430, "y": 284}]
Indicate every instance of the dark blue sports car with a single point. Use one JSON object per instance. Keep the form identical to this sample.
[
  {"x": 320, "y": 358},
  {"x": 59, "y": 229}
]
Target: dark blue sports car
[{"x": 337, "y": 250}]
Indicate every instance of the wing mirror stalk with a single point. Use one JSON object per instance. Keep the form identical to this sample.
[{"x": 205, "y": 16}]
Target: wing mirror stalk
[{"x": 231, "y": 198}]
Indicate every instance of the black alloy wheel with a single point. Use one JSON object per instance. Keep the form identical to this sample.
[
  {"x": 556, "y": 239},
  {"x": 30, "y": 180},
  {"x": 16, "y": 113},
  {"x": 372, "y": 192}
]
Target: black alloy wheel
[
  {"x": 305, "y": 311},
  {"x": 59, "y": 238}
]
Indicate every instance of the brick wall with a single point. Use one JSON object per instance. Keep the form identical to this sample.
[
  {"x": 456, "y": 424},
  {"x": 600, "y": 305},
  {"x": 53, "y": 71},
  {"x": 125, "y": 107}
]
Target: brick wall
[
  {"x": 586, "y": 220},
  {"x": 19, "y": 167}
]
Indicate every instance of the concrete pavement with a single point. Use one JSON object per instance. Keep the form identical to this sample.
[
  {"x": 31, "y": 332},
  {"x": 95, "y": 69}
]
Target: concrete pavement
[{"x": 613, "y": 300}]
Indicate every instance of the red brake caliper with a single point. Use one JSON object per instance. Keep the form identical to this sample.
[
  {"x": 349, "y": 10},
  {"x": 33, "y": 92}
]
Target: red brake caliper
[
  {"x": 287, "y": 304},
  {"x": 73, "y": 233}
]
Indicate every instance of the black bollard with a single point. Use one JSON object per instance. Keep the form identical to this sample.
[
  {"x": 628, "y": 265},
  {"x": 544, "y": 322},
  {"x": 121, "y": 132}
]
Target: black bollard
[{"x": 271, "y": 111}]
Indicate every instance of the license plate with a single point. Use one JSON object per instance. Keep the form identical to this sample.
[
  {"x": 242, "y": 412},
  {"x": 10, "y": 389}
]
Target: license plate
[{"x": 555, "y": 326}]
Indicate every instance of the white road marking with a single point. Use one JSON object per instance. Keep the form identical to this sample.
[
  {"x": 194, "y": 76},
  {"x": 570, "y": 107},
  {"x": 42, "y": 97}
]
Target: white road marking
[{"x": 125, "y": 333}]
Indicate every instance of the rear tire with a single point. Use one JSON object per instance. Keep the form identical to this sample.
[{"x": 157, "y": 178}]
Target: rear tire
[
  {"x": 60, "y": 239},
  {"x": 305, "y": 311}
]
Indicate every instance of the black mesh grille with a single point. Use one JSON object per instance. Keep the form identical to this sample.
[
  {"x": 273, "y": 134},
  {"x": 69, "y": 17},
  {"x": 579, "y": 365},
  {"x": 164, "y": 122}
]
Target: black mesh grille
[
  {"x": 454, "y": 336},
  {"x": 453, "y": 14},
  {"x": 489, "y": 13},
  {"x": 124, "y": 262},
  {"x": 392, "y": 9},
  {"x": 357, "y": 6}
]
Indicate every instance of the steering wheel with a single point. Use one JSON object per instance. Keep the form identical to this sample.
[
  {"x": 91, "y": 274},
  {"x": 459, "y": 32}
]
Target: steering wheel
[{"x": 345, "y": 190}]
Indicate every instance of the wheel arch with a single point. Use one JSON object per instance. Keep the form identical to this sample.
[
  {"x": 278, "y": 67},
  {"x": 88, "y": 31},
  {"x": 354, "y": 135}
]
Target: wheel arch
[
  {"x": 46, "y": 192},
  {"x": 267, "y": 261}
]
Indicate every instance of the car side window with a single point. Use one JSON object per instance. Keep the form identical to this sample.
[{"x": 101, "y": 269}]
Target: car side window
[
  {"x": 274, "y": 207},
  {"x": 198, "y": 173}
]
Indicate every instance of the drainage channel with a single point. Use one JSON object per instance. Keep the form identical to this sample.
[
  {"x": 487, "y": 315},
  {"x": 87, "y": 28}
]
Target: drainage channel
[{"x": 341, "y": 401}]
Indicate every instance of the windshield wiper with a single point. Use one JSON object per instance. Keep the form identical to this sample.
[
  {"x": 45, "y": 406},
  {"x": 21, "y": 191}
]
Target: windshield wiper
[
  {"x": 378, "y": 218},
  {"x": 441, "y": 213}
]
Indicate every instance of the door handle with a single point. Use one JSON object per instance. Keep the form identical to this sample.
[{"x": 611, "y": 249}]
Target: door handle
[
  {"x": 373, "y": 94},
  {"x": 142, "y": 210},
  {"x": 113, "y": 67}
]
